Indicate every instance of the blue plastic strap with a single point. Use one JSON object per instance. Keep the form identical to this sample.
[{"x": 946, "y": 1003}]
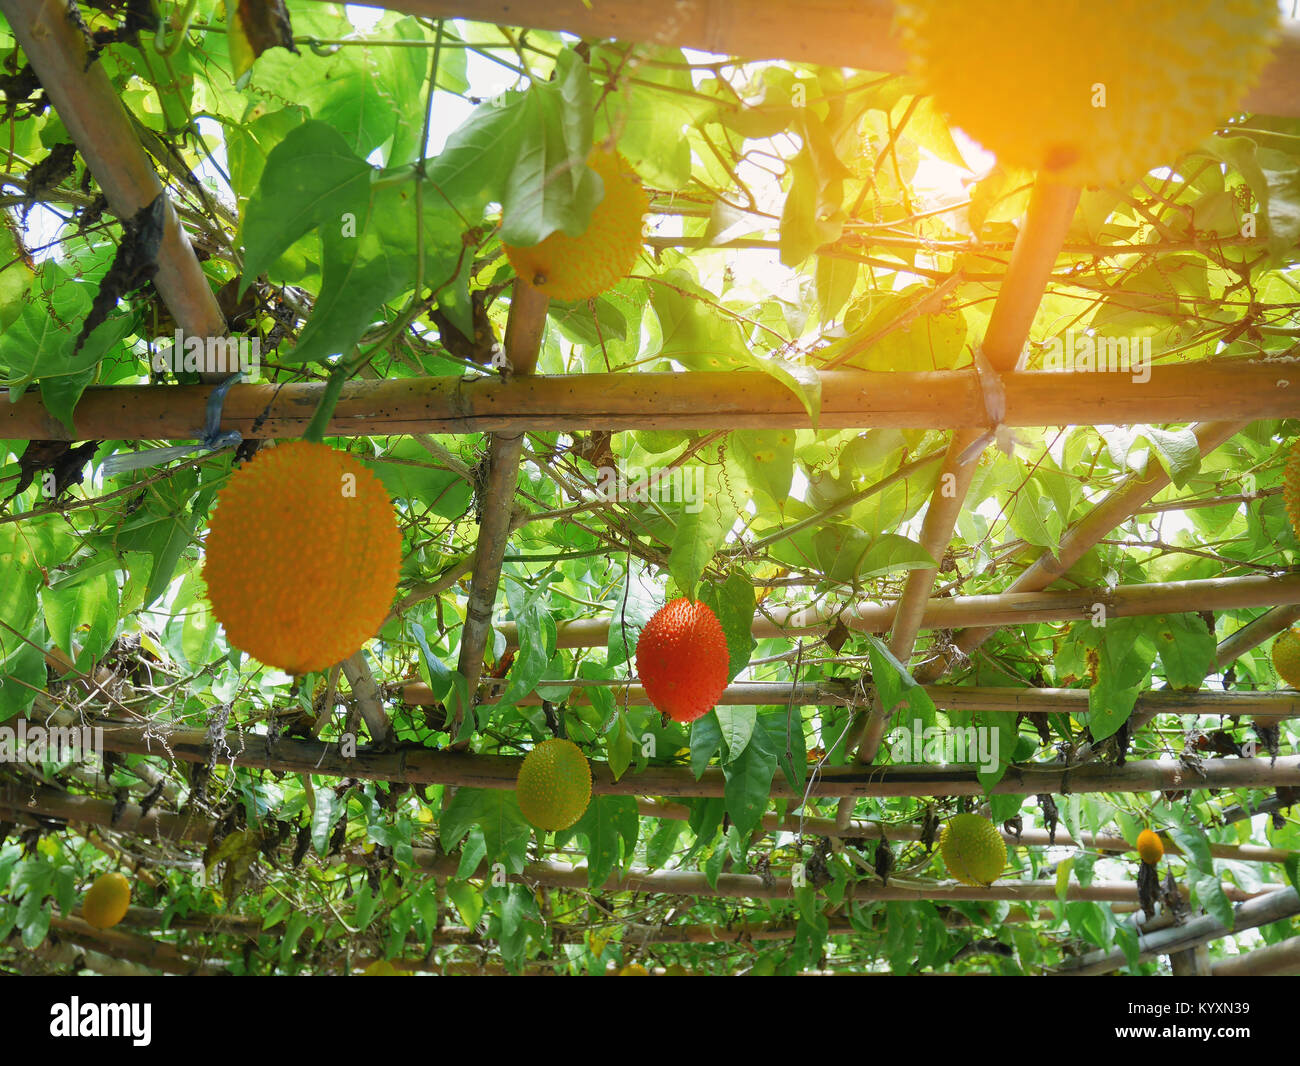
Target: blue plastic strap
[{"x": 213, "y": 439}]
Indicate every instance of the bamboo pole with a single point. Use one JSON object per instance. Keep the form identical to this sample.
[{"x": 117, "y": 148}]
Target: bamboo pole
[
  {"x": 142, "y": 950},
  {"x": 524, "y": 330},
  {"x": 98, "y": 124},
  {"x": 159, "y": 825},
  {"x": 420, "y": 765},
  {"x": 833, "y": 33},
  {"x": 949, "y": 612},
  {"x": 1274, "y": 960},
  {"x": 753, "y": 886},
  {"x": 994, "y": 699},
  {"x": 156, "y": 825},
  {"x": 1116, "y": 508},
  {"x": 1253, "y": 634},
  {"x": 851, "y": 399},
  {"x": 1249, "y": 915},
  {"x": 1051, "y": 208}
]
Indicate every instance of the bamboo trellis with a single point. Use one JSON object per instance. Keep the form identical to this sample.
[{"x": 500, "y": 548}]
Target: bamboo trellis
[{"x": 1223, "y": 398}]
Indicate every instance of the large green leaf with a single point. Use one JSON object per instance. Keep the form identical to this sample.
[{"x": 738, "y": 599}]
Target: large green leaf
[
  {"x": 550, "y": 187},
  {"x": 733, "y": 604}
]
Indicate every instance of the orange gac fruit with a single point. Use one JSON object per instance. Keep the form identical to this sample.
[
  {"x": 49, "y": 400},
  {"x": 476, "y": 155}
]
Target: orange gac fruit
[
  {"x": 682, "y": 660},
  {"x": 1149, "y": 847},
  {"x": 106, "y": 901},
  {"x": 578, "y": 268},
  {"x": 302, "y": 556}
]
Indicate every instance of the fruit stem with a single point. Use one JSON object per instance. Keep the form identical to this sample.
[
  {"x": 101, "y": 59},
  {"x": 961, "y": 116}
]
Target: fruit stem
[{"x": 329, "y": 400}]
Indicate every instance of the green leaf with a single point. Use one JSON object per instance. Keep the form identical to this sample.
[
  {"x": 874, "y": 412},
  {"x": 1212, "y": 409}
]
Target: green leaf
[
  {"x": 706, "y": 740},
  {"x": 1179, "y": 452},
  {"x": 899, "y": 692},
  {"x": 1186, "y": 648},
  {"x": 699, "y": 535},
  {"x": 1210, "y": 895},
  {"x": 663, "y": 843},
  {"x": 1195, "y": 846},
  {"x": 550, "y": 187},
  {"x": 34, "y": 917},
  {"x": 365, "y": 907},
  {"x": 506, "y": 832},
  {"x": 328, "y": 808},
  {"x": 635, "y": 607},
  {"x": 608, "y": 821},
  {"x": 536, "y": 629},
  {"x": 408, "y": 473},
  {"x": 767, "y": 457},
  {"x": 39, "y": 343},
  {"x": 298, "y": 923},
  {"x": 733, "y": 604},
  {"x": 737, "y": 726},
  {"x": 749, "y": 777},
  {"x": 311, "y": 181},
  {"x": 813, "y": 214},
  {"x": 792, "y": 750},
  {"x": 621, "y": 746},
  {"x": 652, "y": 112},
  {"x": 467, "y": 901},
  {"x": 1063, "y": 879}
]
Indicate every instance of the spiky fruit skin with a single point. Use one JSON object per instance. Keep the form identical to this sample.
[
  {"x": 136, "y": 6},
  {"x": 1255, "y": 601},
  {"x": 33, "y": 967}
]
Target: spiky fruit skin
[
  {"x": 973, "y": 850},
  {"x": 1286, "y": 656},
  {"x": 1149, "y": 848},
  {"x": 682, "y": 660},
  {"x": 106, "y": 901},
  {"x": 634, "y": 970},
  {"x": 1291, "y": 487},
  {"x": 554, "y": 784},
  {"x": 578, "y": 268},
  {"x": 302, "y": 556},
  {"x": 1022, "y": 76}
]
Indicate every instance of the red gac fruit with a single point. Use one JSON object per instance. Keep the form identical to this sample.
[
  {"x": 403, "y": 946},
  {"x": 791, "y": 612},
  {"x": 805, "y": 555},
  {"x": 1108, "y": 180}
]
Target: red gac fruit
[{"x": 682, "y": 660}]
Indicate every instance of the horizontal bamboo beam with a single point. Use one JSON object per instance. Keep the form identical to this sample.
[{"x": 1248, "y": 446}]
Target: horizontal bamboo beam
[
  {"x": 1274, "y": 960},
  {"x": 1028, "y": 838},
  {"x": 142, "y": 950},
  {"x": 419, "y": 765},
  {"x": 1009, "y": 700},
  {"x": 156, "y": 825},
  {"x": 850, "y": 399},
  {"x": 832, "y": 33},
  {"x": 161, "y": 825},
  {"x": 753, "y": 886},
  {"x": 1022, "y": 608},
  {"x": 1249, "y": 915}
]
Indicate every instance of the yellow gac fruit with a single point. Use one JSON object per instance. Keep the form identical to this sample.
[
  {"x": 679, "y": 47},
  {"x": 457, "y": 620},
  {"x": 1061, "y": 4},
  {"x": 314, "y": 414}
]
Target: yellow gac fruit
[
  {"x": 1088, "y": 92},
  {"x": 634, "y": 970},
  {"x": 382, "y": 968},
  {"x": 1291, "y": 487},
  {"x": 554, "y": 784},
  {"x": 302, "y": 556},
  {"x": 106, "y": 901},
  {"x": 1286, "y": 656},
  {"x": 1149, "y": 848},
  {"x": 973, "y": 850},
  {"x": 578, "y": 268}
]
